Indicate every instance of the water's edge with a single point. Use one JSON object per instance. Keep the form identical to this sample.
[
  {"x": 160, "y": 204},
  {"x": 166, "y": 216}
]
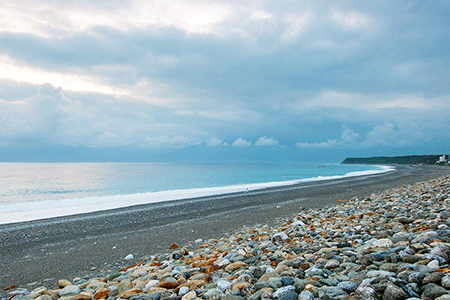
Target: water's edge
[{"x": 23, "y": 212}]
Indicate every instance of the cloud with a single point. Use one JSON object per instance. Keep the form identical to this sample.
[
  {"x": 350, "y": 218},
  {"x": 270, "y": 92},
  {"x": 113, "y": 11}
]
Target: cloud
[
  {"x": 296, "y": 25},
  {"x": 241, "y": 143},
  {"x": 352, "y": 20},
  {"x": 52, "y": 118},
  {"x": 363, "y": 102},
  {"x": 176, "y": 73},
  {"x": 216, "y": 142},
  {"x": 348, "y": 136},
  {"x": 10, "y": 70},
  {"x": 348, "y": 139},
  {"x": 322, "y": 145},
  {"x": 385, "y": 135},
  {"x": 61, "y": 18},
  {"x": 265, "y": 141},
  {"x": 164, "y": 141},
  {"x": 235, "y": 115},
  {"x": 49, "y": 116}
]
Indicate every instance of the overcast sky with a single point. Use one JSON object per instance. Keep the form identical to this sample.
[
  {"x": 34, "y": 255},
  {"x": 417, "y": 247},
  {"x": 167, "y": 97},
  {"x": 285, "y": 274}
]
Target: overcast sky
[{"x": 365, "y": 77}]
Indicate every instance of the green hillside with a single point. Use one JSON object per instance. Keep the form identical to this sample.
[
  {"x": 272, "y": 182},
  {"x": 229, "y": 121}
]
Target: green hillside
[{"x": 384, "y": 160}]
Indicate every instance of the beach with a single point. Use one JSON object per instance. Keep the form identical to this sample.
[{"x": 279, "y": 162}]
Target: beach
[{"x": 42, "y": 252}]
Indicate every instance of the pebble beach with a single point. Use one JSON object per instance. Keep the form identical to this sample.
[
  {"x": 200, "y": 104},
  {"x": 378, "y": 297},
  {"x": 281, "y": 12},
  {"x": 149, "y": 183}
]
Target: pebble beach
[{"x": 390, "y": 245}]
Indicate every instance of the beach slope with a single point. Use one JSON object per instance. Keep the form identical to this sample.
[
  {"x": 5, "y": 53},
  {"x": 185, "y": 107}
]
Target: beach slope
[{"x": 42, "y": 252}]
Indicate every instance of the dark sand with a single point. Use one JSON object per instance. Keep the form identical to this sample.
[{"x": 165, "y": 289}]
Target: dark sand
[{"x": 42, "y": 252}]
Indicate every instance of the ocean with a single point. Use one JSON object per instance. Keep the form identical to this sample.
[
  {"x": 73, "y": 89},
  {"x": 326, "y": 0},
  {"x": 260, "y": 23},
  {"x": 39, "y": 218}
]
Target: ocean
[{"x": 30, "y": 191}]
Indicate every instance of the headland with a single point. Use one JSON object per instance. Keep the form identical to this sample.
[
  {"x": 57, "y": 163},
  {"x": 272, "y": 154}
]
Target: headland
[{"x": 391, "y": 160}]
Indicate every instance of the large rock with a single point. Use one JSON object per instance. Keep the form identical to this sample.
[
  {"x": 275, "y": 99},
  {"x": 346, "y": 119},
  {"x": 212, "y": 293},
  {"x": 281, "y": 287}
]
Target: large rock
[
  {"x": 394, "y": 292},
  {"x": 347, "y": 286},
  {"x": 431, "y": 291},
  {"x": 365, "y": 293},
  {"x": 235, "y": 266},
  {"x": 332, "y": 292},
  {"x": 69, "y": 290}
]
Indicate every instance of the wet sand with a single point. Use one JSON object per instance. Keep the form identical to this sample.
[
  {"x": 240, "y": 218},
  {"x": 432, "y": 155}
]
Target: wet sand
[{"x": 42, "y": 252}]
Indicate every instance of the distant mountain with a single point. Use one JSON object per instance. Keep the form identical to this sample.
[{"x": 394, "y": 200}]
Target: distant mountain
[{"x": 384, "y": 160}]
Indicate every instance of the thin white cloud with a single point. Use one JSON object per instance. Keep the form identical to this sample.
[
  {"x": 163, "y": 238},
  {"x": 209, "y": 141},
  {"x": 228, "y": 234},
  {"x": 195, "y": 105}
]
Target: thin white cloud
[
  {"x": 56, "y": 19},
  {"x": 236, "y": 115},
  {"x": 348, "y": 136},
  {"x": 214, "y": 142},
  {"x": 109, "y": 139},
  {"x": 383, "y": 135},
  {"x": 224, "y": 115},
  {"x": 10, "y": 70},
  {"x": 241, "y": 143},
  {"x": 322, "y": 145},
  {"x": 20, "y": 73},
  {"x": 364, "y": 102},
  {"x": 265, "y": 141},
  {"x": 297, "y": 24},
  {"x": 410, "y": 68},
  {"x": 352, "y": 20},
  {"x": 406, "y": 102},
  {"x": 348, "y": 139},
  {"x": 260, "y": 15},
  {"x": 164, "y": 141}
]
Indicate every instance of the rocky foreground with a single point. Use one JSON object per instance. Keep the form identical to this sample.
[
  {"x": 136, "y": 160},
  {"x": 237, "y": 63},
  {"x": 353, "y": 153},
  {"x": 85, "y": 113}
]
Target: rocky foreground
[{"x": 390, "y": 246}]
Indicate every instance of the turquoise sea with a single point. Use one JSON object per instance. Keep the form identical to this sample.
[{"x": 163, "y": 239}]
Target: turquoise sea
[{"x": 31, "y": 191}]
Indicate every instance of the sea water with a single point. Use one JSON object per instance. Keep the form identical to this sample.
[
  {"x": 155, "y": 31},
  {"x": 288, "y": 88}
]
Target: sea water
[{"x": 30, "y": 191}]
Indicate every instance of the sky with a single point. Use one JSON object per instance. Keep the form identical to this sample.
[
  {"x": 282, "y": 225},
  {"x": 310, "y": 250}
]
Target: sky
[{"x": 263, "y": 80}]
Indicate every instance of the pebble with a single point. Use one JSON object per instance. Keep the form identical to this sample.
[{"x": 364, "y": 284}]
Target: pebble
[
  {"x": 129, "y": 257},
  {"x": 393, "y": 246},
  {"x": 69, "y": 290},
  {"x": 347, "y": 286},
  {"x": 223, "y": 284}
]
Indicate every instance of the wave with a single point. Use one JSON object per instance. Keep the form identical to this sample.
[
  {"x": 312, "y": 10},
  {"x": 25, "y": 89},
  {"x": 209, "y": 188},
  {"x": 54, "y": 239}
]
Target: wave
[{"x": 28, "y": 211}]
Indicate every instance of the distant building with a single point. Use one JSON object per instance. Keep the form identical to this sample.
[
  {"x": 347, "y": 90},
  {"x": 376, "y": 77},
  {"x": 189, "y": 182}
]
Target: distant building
[{"x": 443, "y": 159}]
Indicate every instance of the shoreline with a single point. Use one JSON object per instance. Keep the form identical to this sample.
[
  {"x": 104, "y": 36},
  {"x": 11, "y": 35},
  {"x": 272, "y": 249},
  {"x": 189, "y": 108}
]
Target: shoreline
[
  {"x": 50, "y": 209},
  {"x": 96, "y": 243}
]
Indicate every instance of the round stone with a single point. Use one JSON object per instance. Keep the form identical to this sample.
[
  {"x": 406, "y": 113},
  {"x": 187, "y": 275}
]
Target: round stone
[
  {"x": 69, "y": 290},
  {"x": 183, "y": 291},
  {"x": 416, "y": 277},
  {"x": 433, "y": 291},
  {"x": 433, "y": 265},
  {"x": 394, "y": 292},
  {"x": 332, "y": 264},
  {"x": 189, "y": 296},
  {"x": 383, "y": 243},
  {"x": 348, "y": 286},
  {"x": 287, "y": 281},
  {"x": 306, "y": 295},
  {"x": 288, "y": 296},
  {"x": 129, "y": 257},
  {"x": 278, "y": 293},
  {"x": 223, "y": 284},
  {"x": 446, "y": 282},
  {"x": 213, "y": 293},
  {"x": 64, "y": 282}
]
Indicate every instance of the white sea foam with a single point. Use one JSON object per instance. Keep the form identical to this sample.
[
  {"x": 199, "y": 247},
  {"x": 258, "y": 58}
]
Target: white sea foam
[{"x": 27, "y": 211}]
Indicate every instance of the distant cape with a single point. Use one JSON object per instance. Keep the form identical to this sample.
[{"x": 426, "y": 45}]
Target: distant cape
[{"x": 384, "y": 160}]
